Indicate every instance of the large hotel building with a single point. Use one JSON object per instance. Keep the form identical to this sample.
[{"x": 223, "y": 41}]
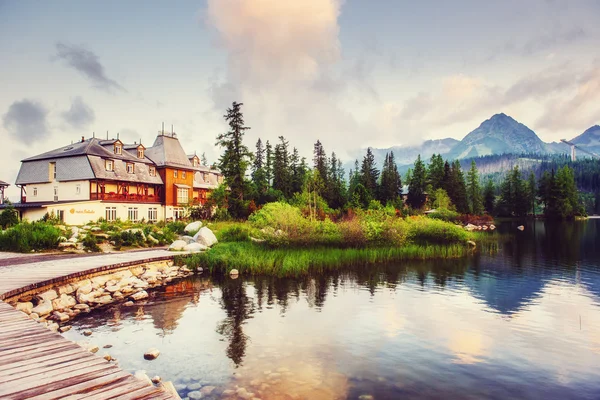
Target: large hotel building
[{"x": 96, "y": 178}]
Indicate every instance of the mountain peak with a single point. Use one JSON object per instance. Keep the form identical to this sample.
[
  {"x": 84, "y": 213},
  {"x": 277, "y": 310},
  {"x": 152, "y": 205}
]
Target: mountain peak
[{"x": 590, "y": 138}]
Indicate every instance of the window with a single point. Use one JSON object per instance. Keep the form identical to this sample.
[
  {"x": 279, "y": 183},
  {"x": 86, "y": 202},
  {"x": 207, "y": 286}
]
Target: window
[
  {"x": 118, "y": 148},
  {"x": 175, "y": 174},
  {"x": 196, "y": 162},
  {"x": 52, "y": 168},
  {"x": 34, "y": 192},
  {"x": 152, "y": 171},
  {"x": 111, "y": 213},
  {"x": 78, "y": 189},
  {"x": 55, "y": 193},
  {"x": 182, "y": 174},
  {"x": 140, "y": 152},
  {"x": 178, "y": 213},
  {"x": 152, "y": 214},
  {"x": 130, "y": 168},
  {"x": 182, "y": 196},
  {"x": 109, "y": 165},
  {"x": 132, "y": 213}
]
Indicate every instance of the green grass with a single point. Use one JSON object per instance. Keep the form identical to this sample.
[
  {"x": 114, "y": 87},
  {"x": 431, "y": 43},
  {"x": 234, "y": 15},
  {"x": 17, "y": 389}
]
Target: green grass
[
  {"x": 25, "y": 237},
  {"x": 256, "y": 259}
]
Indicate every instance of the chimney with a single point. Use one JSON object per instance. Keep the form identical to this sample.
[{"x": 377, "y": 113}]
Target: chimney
[{"x": 82, "y": 139}]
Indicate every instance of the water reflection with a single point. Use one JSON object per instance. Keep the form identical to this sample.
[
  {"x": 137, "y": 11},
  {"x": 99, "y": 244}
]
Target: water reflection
[{"x": 522, "y": 322}]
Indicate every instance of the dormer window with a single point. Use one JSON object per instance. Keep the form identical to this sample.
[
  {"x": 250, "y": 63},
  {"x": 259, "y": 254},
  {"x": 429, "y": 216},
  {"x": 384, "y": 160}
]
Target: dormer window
[
  {"x": 196, "y": 161},
  {"x": 140, "y": 152},
  {"x": 152, "y": 171},
  {"x": 118, "y": 148},
  {"x": 109, "y": 165},
  {"x": 130, "y": 168}
]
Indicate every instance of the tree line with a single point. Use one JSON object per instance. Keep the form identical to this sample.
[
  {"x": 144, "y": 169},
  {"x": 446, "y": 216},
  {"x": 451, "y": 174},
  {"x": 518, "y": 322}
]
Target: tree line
[{"x": 276, "y": 172}]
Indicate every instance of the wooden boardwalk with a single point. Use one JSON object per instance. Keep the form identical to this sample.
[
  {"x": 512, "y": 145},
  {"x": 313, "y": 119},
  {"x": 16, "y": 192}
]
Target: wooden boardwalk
[{"x": 36, "y": 363}]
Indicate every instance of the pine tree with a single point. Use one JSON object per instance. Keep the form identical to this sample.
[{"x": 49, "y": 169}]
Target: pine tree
[
  {"x": 235, "y": 159},
  {"x": 369, "y": 174},
  {"x": 391, "y": 183},
  {"x": 336, "y": 197},
  {"x": 531, "y": 192},
  {"x": 258, "y": 170},
  {"x": 489, "y": 196},
  {"x": 298, "y": 169},
  {"x": 204, "y": 160},
  {"x": 269, "y": 163},
  {"x": 416, "y": 186},
  {"x": 320, "y": 161},
  {"x": 474, "y": 191},
  {"x": 435, "y": 173},
  {"x": 513, "y": 195},
  {"x": 454, "y": 184},
  {"x": 282, "y": 176}
]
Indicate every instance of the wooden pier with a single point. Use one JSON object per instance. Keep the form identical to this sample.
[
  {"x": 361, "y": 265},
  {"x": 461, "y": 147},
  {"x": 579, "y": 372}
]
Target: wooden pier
[{"x": 36, "y": 363}]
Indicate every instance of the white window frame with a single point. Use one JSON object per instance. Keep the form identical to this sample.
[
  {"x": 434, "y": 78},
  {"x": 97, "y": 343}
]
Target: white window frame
[
  {"x": 118, "y": 148},
  {"x": 78, "y": 188},
  {"x": 153, "y": 214},
  {"x": 132, "y": 214},
  {"x": 35, "y": 192},
  {"x": 109, "y": 165},
  {"x": 152, "y": 171},
  {"x": 183, "y": 196},
  {"x": 130, "y": 166},
  {"x": 178, "y": 212},
  {"x": 140, "y": 153},
  {"x": 110, "y": 213}
]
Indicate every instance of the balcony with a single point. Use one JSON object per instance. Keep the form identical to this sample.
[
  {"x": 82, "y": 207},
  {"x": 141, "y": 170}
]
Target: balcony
[{"x": 129, "y": 197}]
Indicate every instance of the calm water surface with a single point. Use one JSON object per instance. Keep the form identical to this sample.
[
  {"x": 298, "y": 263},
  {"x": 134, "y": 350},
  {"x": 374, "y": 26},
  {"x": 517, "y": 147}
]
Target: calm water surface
[{"x": 523, "y": 322}]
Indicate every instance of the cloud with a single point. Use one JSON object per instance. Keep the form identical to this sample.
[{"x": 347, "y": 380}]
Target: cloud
[
  {"x": 26, "y": 120},
  {"x": 87, "y": 63},
  {"x": 79, "y": 115}
]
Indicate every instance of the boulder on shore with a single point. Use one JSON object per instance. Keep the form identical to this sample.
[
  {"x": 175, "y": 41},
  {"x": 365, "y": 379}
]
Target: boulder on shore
[
  {"x": 177, "y": 245},
  {"x": 521, "y": 227},
  {"x": 193, "y": 227},
  {"x": 195, "y": 247},
  {"x": 206, "y": 237},
  {"x": 151, "y": 354}
]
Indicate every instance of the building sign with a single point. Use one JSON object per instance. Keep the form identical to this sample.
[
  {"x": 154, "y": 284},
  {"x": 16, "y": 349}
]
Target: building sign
[{"x": 84, "y": 211}]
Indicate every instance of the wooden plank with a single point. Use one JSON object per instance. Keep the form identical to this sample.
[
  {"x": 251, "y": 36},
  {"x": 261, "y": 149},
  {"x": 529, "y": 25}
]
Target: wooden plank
[
  {"x": 65, "y": 366},
  {"x": 76, "y": 391},
  {"x": 55, "y": 379},
  {"x": 110, "y": 393},
  {"x": 31, "y": 350},
  {"x": 45, "y": 360},
  {"x": 151, "y": 391}
]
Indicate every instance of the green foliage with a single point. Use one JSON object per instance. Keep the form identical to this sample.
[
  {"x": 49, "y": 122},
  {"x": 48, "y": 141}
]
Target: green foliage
[
  {"x": 513, "y": 195},
  {"x": 441, "y": 199},
  {"x": 417, "y": 184},
  {"x": 444, "y": 214},
  {"x": 391, "y": 184},
  {"x": 25, "y": 237},
  {"x": 90, "y": 243},
  {"x": 489, "y": 196},
  {"x": 369, "y": 174},
  {"x": 558, "y": 193},
  {"x": 177, "y": 227},
  {"x": 424, "y": 230},
  {"x": 474, "y": 191},
  {"x": 234, "y": 233},
  {"x": 250, "y": 258},
  {"x": 8, "y": 217}
]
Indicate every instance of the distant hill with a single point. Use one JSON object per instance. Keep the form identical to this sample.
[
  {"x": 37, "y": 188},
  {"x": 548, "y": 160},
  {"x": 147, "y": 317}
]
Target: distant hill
[{"x": 500, "y": 134}]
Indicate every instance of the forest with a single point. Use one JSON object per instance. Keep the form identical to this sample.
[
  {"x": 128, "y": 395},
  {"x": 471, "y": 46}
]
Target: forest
[{"x": 549, "y": 185}]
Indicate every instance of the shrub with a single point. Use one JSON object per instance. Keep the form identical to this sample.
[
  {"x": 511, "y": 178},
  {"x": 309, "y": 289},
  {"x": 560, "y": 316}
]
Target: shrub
[
  {"x": 25, "y": 237},
  {"x": 424, "y": 230},
  {"x": 235, "y": 233},
  {"x": 177, "y": 227},
  {"x": 444, "y": 214},
  {"x": 9, "y": 217},
  {"x": 90, "y": 242}
]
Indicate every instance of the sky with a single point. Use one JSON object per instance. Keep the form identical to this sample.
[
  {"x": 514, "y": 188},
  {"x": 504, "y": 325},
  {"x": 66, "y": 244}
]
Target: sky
[{"x": 351, "y": 74}]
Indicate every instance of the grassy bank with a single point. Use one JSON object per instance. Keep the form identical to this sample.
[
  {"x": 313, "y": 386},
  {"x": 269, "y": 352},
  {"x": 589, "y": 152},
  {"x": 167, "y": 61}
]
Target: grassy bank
[
  {"x": 258, "y": 259},
  {"x": 279, "y": 240}
]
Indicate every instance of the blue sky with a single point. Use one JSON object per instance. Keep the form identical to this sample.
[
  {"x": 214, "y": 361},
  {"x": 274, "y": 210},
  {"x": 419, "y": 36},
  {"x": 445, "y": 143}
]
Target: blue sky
[{"x": 352, "y": 74}]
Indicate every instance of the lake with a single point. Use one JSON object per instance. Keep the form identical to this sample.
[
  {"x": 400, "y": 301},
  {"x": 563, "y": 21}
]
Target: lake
[{"x": 521, "y": 320}]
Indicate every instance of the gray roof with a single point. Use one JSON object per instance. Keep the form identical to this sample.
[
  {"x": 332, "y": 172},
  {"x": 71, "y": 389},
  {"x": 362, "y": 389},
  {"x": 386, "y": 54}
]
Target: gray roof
[
  {"x": 210, "y": 182},
  {"x": 73, "y": 168},
  {"x": 141, "y": 171},
  {"x": 2, "y": 183},
  {"x": 91, "y": 146},
  {"x": 167, "y": 152}
]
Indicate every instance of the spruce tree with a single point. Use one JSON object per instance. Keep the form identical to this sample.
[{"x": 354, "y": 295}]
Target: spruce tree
[
  {"x": 416, "y": 186},
  {"x": 531, "y": 192},
  {"x": 282, "y": 176},
  {"x": 369, "y": 174},
  {"x": 474, "y": 191},
  {"x": 269, "y": 163},
  {"x": 391, "y": 183},
  {"x": 489, "y": 196},
  {"x": 320, "y": 161},
  {"x": 456, "y": 188},
  {"x": 259, "y": 176},
  {"x": 204, "y": 160},
  {"x": 235, "y": 159}
]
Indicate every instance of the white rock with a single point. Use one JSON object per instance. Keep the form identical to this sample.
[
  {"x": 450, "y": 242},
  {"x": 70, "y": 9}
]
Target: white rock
[
  {"x": 26, "y": 307},
  {"x": 63, "y": 302},
  {"x": 177, "y": 245},
  {"x": 67, "y": 244},
  {"x": 65, "y": 328},
  {"x": 206, "y": 237},
  {"x": 87, "y": 289},
  {"x": 82, "y": 307},
  {"x": 151, "y": 354},
  {"x": 139, "y": 295},
  {"x": 43, "y": 308},
  {"x": 156, "y": 379},
  {"x": 104, "y": 299},
  {"x": 193, "y": 227},
  {"x": 187, "y": 239},
  {"x": 195, "y": 395},
  {"x": 62, "y": 317},
  {"x": 48, "y": 295},
  {"x": 492, "y": 227},
  {"x": 207, "y": 390},
  {"x": 195, "y": 247},
  {"x": 521, "y": 227},
  {"x": 234, "y": 272}
]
